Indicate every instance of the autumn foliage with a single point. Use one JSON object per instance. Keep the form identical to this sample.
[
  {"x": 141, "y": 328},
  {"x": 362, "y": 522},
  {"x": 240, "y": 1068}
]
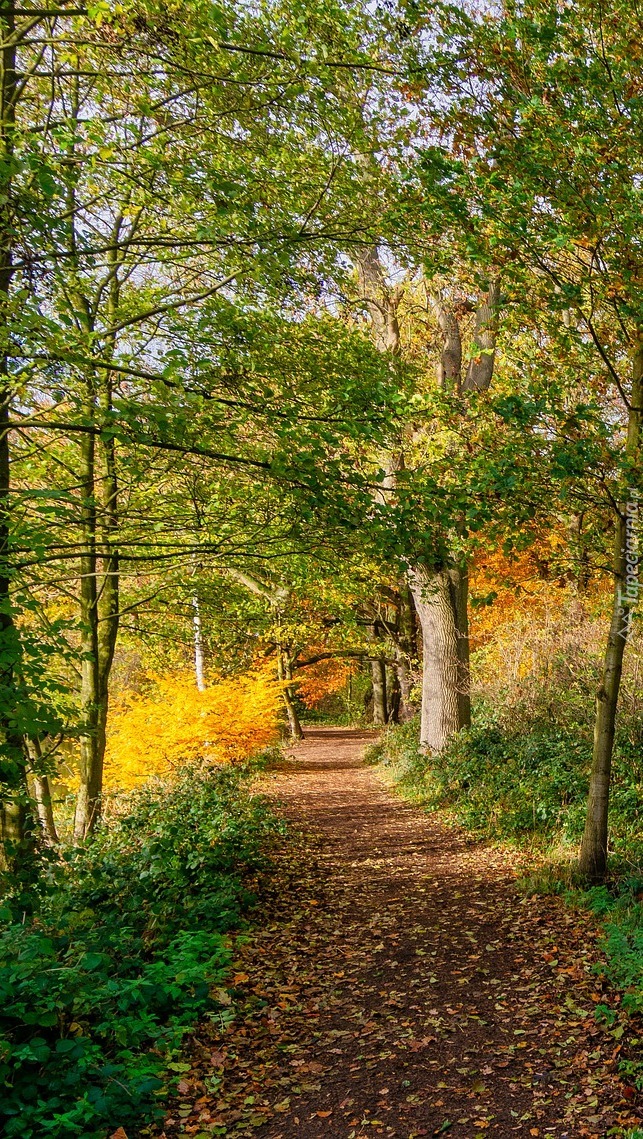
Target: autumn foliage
[
  {"x": 324, "y": 678},
  {"x": 157, "y": 733}
]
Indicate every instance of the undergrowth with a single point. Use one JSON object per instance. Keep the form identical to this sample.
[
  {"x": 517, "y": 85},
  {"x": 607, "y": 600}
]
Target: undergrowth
[
  {"x": 528, "y": 784},
  {"x": 120, "y": 952}
]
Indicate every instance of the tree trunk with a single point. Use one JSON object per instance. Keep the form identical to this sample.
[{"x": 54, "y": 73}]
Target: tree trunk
[
  {"x": 13, "y": 832},
  {"x": 449, "y": 370},
  {"x": 394, "y": 695},
  {"x": 593, "y": 851},
  {"x": 88, "y": 801},
  {"x": 378, "y": 680},
  {"x": 100, "y": 566},
  {"x": 483, "y": 350},
  {"x": 284, "y": 669},
  {"x": 15, "y": 838},
  {"x": 45, "y": 809},
  {"x": 459, "y": 577},
  {"x": 199, "y": 669},
  {"x": 435, "y": 601},
  {"x": 406, "y": 651}
]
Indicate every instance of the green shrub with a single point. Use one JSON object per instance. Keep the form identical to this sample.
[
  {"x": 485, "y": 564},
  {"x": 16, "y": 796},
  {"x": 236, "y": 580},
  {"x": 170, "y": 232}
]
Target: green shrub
[
  {"x": 517, "y": 783},
  {"x": 621, "y": 908},
  {"x": 98, "y": 987}
]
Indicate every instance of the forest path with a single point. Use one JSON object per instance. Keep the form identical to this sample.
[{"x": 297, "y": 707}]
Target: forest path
[{"x": 399, "y": 985}]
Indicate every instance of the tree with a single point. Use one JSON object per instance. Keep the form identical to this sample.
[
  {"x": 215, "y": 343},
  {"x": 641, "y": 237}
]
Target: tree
[
  {"x": 129, "y": 242},
  {"x": 548, "y": 159}
]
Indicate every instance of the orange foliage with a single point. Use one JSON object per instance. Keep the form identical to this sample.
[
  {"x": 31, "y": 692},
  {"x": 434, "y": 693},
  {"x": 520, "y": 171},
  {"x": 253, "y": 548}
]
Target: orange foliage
[
  {"x": 518, "y": 632},
  {"x": 322, "y": 679},
  {"x": 519, "y": 589},
  {"x": 154, "y": 734}
]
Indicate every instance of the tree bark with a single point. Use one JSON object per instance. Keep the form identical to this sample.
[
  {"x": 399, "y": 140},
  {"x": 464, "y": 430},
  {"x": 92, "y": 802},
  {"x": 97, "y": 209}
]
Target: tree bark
[
  {"x": 441, "y": 599},
  {"x": 381, "y": 302},
  {"x": 593, "y": 852},
  {"x": 284, "y": 671},
  {"x": 483, "y": 351},
  {"x": 199, "y": 670},
  {"x": 435, "y": 602},
  {"x": 378, "y": 679},
  {"x": 45, "y": 809},
  {"x": 100, "y": 562},
  {"x": 449, "y": 370},
  {"x": 407, "y": 649},
  {"x": 459, "y": 577},
  {"x": 394, "y": 694},
  {"x": 88, "y": 800},
  {"x": 15, "y": 814}
]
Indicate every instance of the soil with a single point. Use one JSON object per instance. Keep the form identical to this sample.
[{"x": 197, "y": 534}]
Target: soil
[{"x": 398, "y": 983}]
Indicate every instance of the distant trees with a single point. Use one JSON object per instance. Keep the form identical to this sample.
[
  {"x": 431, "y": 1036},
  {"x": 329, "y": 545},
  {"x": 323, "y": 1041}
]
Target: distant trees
[{"x": 294, "y": 296}]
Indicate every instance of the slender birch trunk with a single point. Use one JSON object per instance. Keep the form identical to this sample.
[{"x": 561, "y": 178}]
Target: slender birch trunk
[
  {"x": 199, "y": 669},
  {"x": 593, "y": 851}
]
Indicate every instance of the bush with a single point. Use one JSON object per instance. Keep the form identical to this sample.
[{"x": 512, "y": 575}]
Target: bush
[
  {"x": 119, "y": 958},
  {"x": 529, "y": 780}
]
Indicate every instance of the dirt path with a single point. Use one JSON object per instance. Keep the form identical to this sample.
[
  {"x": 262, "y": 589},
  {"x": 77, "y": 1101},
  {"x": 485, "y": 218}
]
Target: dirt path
[{"x": 399, "y": 985}]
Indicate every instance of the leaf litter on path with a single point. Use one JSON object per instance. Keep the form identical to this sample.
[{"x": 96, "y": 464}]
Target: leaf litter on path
[{"x": 397, "y": 984}]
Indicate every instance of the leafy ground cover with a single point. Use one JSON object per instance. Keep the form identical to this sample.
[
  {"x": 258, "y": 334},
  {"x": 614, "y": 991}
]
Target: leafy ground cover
[
  {"x": 529, "y": 787},
  {"x": 400, "y": 984},
  {"x": 122, "y": 950}
]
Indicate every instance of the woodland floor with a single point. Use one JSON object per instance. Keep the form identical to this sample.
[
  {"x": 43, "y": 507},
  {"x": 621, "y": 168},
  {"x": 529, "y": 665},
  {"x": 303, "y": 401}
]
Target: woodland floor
[{"x": 399, "y": 984}]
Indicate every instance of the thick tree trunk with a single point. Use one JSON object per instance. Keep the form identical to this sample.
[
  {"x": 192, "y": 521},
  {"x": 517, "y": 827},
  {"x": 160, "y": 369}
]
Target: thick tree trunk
[
  {"x": 593, "y": 852},
  {"x": 14, "y": 829},
  {"x": 449, "y": 370},
  {"x": 442, "y": 703},
  {"x": 441, "y": 598}
]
